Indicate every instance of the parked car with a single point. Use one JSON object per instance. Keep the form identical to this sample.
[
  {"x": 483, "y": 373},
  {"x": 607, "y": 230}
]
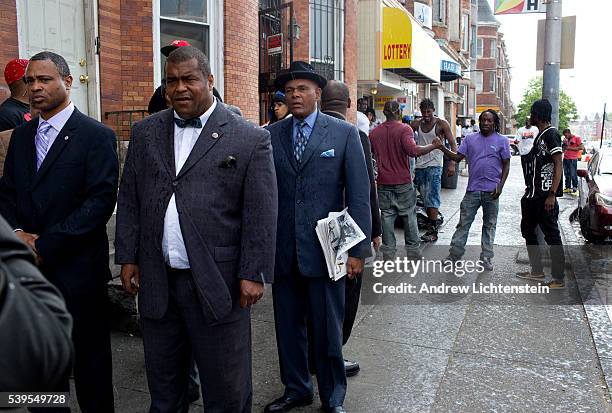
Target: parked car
[
  {"x": 513, "y": 144},
  {"x": 595, "y": 197}
]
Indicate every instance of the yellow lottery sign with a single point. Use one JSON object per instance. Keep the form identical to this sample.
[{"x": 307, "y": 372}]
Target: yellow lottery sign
[{"x": 396, "y": 39}]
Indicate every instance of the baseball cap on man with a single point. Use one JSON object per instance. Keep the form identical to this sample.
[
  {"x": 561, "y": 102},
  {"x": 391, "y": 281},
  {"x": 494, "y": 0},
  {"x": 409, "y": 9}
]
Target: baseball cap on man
[
  {"x": 15, "y": 70},
  {"x": 166, "y": 50}
]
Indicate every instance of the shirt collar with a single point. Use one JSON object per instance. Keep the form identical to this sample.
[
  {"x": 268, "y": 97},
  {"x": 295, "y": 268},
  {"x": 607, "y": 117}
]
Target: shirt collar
[
  {"x": 310, "y": 119},
  {"x": 204, "y": 117},
  {"x": 58, "y": 120}
]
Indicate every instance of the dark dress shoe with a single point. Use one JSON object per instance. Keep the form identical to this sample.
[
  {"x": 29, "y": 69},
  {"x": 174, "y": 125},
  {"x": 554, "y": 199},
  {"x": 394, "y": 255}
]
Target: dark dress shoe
[
  {"x": 335, "y": 409},
  {"x": 286, "y": 403},
  {"x": 351, "y": 368}
]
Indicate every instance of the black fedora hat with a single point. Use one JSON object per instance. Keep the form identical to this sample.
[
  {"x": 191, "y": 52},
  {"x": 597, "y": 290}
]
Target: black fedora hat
[{"x": 299, "y": 70}]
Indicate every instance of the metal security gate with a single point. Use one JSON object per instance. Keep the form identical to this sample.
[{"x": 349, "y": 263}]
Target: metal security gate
[{"x": 277, "y": 29}]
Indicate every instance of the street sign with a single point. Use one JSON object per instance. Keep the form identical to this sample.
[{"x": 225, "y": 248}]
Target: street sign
[
  {"x": 568, "y": 43},
  {"x": 519, "y": 6},
  {"x": 275, "y": 44}
]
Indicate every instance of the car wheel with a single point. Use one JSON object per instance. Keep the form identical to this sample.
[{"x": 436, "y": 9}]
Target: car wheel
[{"x": 585, "y": 227}]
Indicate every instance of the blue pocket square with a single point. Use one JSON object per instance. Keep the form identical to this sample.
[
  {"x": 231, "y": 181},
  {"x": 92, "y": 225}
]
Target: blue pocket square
[{"x": 328, "y": 154}]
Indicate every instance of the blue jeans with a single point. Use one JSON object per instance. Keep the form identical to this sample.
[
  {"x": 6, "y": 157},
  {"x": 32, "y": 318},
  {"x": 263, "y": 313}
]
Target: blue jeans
[
  {"x": 469, "y": 207},
  {"x": 428, "y": 181},
  {"x": 399, "y": 200},
  {"x": 570, "y": 169}
]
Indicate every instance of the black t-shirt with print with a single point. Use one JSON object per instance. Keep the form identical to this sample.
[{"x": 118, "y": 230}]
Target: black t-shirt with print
[
  {"x": 12, "y": 114},
  {"x": 539, "y": 165}
]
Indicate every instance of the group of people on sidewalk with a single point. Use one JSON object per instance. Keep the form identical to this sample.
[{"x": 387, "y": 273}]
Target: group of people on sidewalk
[{"x": 211, "y": 208}]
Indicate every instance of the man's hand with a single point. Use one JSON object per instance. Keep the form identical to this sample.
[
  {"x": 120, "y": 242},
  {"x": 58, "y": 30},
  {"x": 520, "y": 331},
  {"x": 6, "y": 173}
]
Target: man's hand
[
  {"x": 377, "y": 241},
  {"x": 354, "y": 267},
  {"x": 250, "y": 292},
  {"x": 549, "y": 204},
  {"x": 27, "y": 238},
  {"x": 130, "y": 278},
  {"x": 437, "y": 142},
  {"x": 451, "y": 168},
  {"x": 497, "y": 192}
]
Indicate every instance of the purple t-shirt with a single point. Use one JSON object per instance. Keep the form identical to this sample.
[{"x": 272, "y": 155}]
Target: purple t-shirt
[{"x": 484, "y": 156}]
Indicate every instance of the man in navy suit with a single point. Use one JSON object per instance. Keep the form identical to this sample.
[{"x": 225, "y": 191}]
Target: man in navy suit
[
  {"x": 320, "y": 168},
  {"x": 58, "y": 191}
]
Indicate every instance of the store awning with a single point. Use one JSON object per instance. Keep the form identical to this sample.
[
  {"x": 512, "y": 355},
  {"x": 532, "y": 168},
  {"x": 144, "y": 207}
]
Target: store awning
[
  {"x": 449, "y": 68},
  {"x": 407, "y": 49}
]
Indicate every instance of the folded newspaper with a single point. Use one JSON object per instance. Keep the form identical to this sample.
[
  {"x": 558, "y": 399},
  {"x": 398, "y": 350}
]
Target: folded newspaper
[{"x": 337, "y": 234}]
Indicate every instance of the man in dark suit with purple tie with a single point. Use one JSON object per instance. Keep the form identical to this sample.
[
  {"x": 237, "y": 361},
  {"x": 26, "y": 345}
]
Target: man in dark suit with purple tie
[{"x": 58, "y": 191}]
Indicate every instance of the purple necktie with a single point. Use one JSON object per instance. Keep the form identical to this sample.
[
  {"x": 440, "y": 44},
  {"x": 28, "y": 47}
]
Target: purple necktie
[{"x": 42, "y": 143}]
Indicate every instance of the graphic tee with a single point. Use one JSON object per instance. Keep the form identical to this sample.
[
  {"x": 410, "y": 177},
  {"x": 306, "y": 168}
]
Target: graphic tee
[
  {"x": 539, "y": 167},
  {"x": 525, "y": 137}
]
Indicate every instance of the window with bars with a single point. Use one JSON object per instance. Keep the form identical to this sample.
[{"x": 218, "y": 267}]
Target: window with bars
[{"x": 327, "y": 38}]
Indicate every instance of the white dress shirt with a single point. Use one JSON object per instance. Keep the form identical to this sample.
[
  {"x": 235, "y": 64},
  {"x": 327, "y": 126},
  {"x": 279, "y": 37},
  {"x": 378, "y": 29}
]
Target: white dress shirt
[
  {"x": 173, "y": 245},
  {"x": 57, "y": 122}
]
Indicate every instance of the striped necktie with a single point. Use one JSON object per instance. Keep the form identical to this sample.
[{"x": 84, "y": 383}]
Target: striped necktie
[
  {"x": 42, "y": 143},
  {"x": 300, "y": 142}
]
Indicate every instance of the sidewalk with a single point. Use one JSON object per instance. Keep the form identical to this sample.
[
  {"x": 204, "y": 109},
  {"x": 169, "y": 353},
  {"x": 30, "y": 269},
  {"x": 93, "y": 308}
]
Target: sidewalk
[{"x": 479, "y": 354}]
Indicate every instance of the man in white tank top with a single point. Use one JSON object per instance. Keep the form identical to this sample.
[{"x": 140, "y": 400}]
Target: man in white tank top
[{"x": 428, "y": 173}]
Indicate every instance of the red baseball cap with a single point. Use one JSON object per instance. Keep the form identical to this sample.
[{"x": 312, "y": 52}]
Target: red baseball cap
[
  {"x": 166, "y": 50},
  {"x": 15, "y": 70}
]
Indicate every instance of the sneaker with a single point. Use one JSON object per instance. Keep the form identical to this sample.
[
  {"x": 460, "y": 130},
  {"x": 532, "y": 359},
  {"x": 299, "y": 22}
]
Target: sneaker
[
  {"x": 567, "y": 191},
  {"x": 487, "y": 265},
  {"x": 528, "y": 275},
  {"x": 574, "y": 192},
  {"x": 555, "y": 284}
]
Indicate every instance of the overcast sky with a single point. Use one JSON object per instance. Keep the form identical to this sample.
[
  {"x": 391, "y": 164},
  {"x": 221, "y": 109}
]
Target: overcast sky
[{"x": 587, "y": 82}]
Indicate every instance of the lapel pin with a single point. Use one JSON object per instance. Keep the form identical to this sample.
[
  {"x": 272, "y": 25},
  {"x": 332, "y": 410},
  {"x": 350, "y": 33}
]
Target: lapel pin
[
  {"x": 66, "y": 138},
  {"x": 215, "y": 135}
]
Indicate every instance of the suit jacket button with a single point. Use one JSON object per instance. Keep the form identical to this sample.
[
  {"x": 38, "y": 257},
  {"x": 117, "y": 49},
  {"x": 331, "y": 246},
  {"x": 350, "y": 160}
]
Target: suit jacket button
[{"x": 174, "y": 184}]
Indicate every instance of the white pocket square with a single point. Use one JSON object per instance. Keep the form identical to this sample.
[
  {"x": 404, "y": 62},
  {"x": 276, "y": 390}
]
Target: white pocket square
[{"x": 328, "y": 154}]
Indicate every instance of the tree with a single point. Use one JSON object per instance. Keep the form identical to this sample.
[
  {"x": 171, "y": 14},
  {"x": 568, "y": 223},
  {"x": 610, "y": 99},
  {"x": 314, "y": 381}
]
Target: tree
[{"x": 567, "y": 107}]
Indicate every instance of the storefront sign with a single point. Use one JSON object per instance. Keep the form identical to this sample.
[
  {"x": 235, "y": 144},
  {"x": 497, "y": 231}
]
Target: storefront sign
[
  {"x": 396, "y": 39},
  {"x": 423, "y": 13},
  {"x": 379, "y": 101},
  {"x": 519, "y": 6},
  {"x": 275, "y": 44}
]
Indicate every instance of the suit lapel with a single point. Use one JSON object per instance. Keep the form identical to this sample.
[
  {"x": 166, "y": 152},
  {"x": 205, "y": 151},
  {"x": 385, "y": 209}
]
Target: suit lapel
[
  {"x": 319, "y": 132},
  {"x": 61, "y": 141},
  {"x": 286, "y": 139},
  {"x": 31, "y": 149},
  {"x": 210, "y": 135},
  {"x": 164, "y": 136}
]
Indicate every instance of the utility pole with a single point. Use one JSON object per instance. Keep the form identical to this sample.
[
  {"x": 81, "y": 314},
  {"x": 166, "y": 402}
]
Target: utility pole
[{"x": 552, "y": 57}]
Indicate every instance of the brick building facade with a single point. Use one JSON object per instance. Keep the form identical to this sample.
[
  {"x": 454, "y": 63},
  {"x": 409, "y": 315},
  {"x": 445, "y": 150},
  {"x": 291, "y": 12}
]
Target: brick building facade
[
  {"x": 121, "y": 62},
  {"x": 493, "y": 72}
]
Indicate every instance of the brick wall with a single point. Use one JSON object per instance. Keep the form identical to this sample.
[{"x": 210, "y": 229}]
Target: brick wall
[
  {"x": 8, "y": 34},
  {"x": 126, "y": 58},
  {"x": 301, "y": 47},
  {"x": 350, "y": 53},
  {"x": 241, "y": 67}
]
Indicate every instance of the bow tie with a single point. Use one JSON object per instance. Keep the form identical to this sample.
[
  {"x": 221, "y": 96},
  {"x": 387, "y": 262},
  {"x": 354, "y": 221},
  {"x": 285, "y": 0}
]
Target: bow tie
[{"x": 194, "y": 123}]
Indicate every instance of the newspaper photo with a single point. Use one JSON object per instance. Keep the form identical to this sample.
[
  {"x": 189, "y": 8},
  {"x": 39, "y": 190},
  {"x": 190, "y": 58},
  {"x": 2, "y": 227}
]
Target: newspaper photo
[{"x": 338, "y": 233}]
